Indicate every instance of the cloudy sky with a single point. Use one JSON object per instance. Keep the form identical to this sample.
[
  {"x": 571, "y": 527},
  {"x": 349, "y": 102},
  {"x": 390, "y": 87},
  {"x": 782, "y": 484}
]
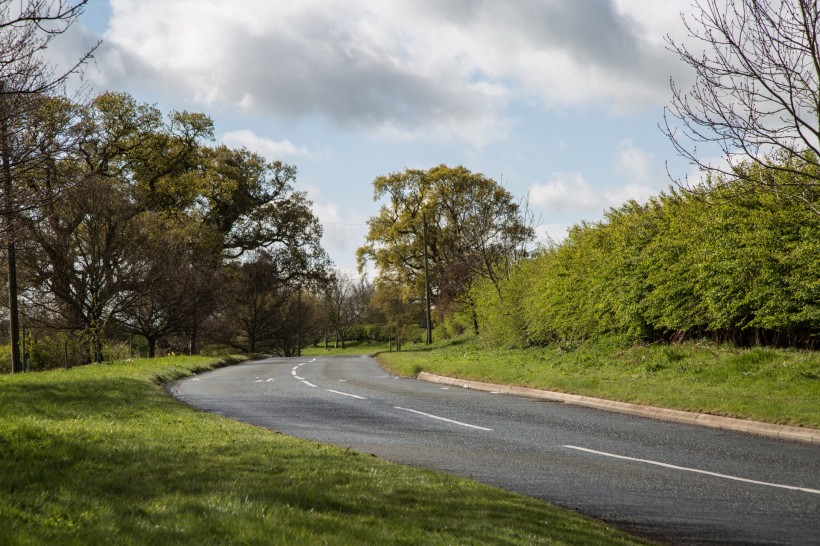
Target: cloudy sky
[{"x": 559, "y": 100}]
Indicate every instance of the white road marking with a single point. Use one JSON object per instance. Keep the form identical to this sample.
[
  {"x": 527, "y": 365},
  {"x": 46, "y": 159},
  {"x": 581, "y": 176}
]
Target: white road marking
[
  {"x": 715, "y": 474},
  {"x": 195, "y": 379},
  {"x": 268, "y": 380},
  {"x": 444, "y": 419},
  {"x": 309, "y": 384},
  {"x": 346, "y": 394},
  {"x": 299, "y": 377}
]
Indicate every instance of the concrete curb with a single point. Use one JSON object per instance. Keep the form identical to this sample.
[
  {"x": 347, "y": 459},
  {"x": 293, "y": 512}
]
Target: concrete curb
[{"x": 782, "y": 432}]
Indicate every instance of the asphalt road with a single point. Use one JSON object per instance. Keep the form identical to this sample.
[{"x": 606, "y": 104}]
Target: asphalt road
[{"x": 675, "y": 483}]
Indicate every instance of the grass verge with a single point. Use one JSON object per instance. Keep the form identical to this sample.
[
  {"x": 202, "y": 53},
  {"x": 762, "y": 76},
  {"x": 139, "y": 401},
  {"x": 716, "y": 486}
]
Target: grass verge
[
  {"x": 100, "y": 454},
  {"x": 351, "y": 348},
  {"x": 770, "y": 385}
]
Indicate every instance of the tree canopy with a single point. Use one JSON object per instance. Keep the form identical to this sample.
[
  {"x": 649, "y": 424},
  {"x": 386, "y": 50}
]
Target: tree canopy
[
  {"x": 475, "y": 229},
  {"x": 148, "y": 229}
]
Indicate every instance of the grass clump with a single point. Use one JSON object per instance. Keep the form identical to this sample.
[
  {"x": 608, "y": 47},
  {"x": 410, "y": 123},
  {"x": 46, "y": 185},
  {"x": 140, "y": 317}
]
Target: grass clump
[
  {"x": 101, "y": 454},
  {"x": 771, "y": 385}
]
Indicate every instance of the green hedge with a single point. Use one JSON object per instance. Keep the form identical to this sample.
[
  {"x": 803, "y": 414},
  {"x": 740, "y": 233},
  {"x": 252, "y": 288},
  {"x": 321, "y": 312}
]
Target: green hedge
[{"x": 726, "y": 263}]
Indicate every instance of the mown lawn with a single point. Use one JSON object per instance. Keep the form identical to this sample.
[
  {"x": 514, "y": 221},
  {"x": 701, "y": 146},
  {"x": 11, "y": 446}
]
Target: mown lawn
[
  {"x": 102, "y": 455},
  {"x": 771, "y": 385}
]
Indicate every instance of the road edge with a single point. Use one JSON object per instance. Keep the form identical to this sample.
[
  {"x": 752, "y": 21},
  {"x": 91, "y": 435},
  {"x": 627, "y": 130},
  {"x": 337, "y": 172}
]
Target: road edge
[{"x": 780, "y": 432}]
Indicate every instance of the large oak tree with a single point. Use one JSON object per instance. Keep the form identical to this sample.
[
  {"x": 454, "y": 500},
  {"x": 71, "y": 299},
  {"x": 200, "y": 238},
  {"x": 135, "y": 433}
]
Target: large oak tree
[{"x": 474, "y": 229}]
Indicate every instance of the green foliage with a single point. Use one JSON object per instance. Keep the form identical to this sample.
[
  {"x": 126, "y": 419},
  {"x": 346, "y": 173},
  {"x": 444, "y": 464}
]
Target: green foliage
[
  {"x": 475, "y": 232},
  {"x": 5, "y": 359},
  {"x": 726, "y": 263},
  {"x": 137, "y": 219}
]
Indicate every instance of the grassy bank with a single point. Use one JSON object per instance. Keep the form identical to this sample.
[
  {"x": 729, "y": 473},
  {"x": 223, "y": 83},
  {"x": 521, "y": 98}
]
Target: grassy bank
[
  {"x": 351, "y": 348},
  {"x": 100, "y": 454},
  {"x": 772, "y": 385}
]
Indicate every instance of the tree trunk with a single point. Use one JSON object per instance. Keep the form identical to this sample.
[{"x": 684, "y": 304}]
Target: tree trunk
[
  {"x": 14, "y": 314},
  {"x": 11, "y": 252},
  {"x": 152, "y": 346},
  {"x": 96, "y": 347}
]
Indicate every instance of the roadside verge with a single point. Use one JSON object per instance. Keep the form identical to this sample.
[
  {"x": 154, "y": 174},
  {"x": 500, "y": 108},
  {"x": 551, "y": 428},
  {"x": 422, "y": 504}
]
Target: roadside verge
[{"x": 781, "y": 432}]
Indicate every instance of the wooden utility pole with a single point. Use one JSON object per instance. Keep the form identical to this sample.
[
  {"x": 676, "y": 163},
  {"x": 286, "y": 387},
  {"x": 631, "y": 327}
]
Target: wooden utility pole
[{"x": 429, "y": 324}]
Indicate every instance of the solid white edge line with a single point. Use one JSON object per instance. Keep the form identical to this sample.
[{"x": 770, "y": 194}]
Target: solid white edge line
[
  {"x": 309, "y": 384},
  {"x": 697, "y": 471},
  {"x": 444, "y": 419},
  {"x": 346, "y": 394}
]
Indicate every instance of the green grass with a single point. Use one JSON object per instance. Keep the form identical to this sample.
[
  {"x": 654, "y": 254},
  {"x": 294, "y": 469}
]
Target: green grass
[
  {"x": 771, "y": 385},
  {"x": 101, "y": 454},
  {"x": 351, "y": 348}
]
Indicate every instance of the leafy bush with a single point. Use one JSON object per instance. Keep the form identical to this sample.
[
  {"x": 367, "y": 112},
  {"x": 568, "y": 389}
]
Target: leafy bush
[{"x": 725, "y": 264}]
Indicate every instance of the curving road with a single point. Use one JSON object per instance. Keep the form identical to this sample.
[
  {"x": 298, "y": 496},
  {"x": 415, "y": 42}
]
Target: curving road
[{"x": 674, "y": 483}]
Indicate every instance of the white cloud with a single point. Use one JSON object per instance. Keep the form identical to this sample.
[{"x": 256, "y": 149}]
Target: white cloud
[
  {"x": 405, "y": 69},
  {"x": 344, "y": 231},
  {"x": 566, "y": 192},
  {"x": 639, "y": 167},
  {"x": 572, "y": 193},
  {"x": 267, "y": 148}
]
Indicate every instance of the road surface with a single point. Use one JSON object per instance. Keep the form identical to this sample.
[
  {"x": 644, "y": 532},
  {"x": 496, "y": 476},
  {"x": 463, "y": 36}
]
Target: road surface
[{"x": 671, "y": 482}]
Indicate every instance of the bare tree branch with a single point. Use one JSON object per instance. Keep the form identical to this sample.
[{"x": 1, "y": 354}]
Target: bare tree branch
[{"x": 755, "y": 95}]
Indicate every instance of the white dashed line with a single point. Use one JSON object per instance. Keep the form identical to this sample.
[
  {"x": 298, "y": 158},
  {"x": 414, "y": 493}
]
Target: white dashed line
[
  {"x": 309, "y": 384},
  {"x": 346, "y": 394},
  {"x": 685, "y": 469},
  {"x": 444, "y": 419}
]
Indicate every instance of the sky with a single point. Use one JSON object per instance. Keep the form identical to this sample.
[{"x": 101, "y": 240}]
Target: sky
[{"x": 559, "y": 101}]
